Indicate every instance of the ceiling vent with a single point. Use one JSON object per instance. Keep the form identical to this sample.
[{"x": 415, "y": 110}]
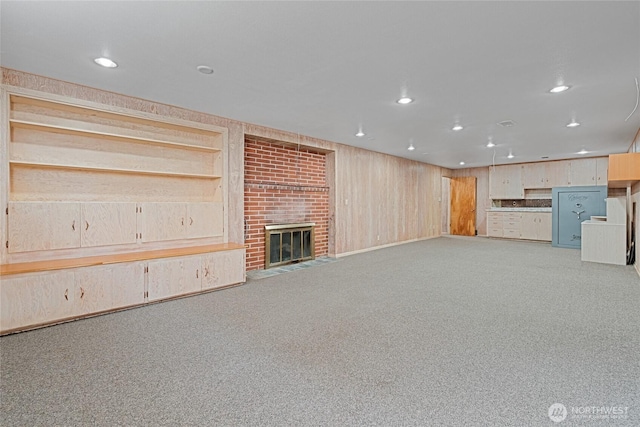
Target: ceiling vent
[{"x": 507, "y": 123}]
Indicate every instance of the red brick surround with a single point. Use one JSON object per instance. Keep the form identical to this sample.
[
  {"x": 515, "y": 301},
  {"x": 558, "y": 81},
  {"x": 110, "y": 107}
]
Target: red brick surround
[{"x": 283, "y": 184}]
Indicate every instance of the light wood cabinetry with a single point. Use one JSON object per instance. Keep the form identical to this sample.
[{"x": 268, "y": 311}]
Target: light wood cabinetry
[
  {"x": 536, "y": 226},
  {"x": 520, "y": 225},
  {"x": 215, "y": 270},
  {"x": 505, "y": 182},
  {"x": 556, "y": 174},
  {"x": 43, "y": 226},
  {"x": 174, "y": 276},
  {"x": 33, "y": 299},
  {"x": 107, "y": 208},
  {"x": 533, "y": 175},
  {"x": 602, "y": 168},
  {"x": 582, "y": 172}
]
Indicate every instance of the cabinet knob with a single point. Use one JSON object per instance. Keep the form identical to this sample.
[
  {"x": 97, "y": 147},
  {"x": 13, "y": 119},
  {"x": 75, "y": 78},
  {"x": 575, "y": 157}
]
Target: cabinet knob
[
  {"x": 66, "y": 294},
  {"x": 81, "y": 293},
  {"x": 197, "y": 274},
  {"x": 86, "y": 225},
  {"x": 190, "y": 221},
  {"x": 73, "y": 225}
]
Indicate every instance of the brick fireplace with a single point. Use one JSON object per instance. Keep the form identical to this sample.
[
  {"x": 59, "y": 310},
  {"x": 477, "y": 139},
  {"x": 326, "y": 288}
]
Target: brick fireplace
[{"x": 283, "y": 184}]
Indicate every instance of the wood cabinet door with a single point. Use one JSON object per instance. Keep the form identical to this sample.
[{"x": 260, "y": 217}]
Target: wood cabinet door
[
  {"x": 108, "y": 287},
  {"x": 544, "y": 226},
  {"x": 602, "y": 169},
  {"x": 463, "y": 206},
  {"x": 37, "y": 226},
  {"x": 505, "y": 182},
  {"x": 174, "y": 276},
  {"x": 533, "y": 176},
  {"x": 556, "y": 174},
  {"x": 35, "y": 298},
  {"x": 582, "y": 172},
  {"x": 162, "y": 221},
  {"x": 108, "y": 224},
  {"x": 529, "y": 226},
  {"x": 204, "y": 219},
  {"x": 223, "y": 268}
]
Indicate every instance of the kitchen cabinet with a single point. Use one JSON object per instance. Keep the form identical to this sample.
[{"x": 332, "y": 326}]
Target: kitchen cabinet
[
  {"x": 533, "y": 175},
  {"x": 505, "y": 182},
  {"x": 602, "y": 167},
  {"x": 556, "y": 174},
  {"x": 105, "y": 224},
  {"x": 582, "y": 172},
  {"x": 536, "y": 226}
]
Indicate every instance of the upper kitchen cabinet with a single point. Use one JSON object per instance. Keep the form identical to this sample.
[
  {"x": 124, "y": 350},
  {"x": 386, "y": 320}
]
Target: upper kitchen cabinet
[
  {"x": 582, "y": 172},
  {"x": 505, "y": 182}
]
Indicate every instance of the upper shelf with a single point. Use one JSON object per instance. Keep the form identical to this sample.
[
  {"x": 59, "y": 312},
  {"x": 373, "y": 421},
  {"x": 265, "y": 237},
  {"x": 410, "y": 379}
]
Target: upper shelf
[{"x": 69, "y": 126}]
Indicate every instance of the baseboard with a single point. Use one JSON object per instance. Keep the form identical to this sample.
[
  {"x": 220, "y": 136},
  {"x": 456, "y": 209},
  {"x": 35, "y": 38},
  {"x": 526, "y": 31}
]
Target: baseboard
[{"x": 388, "y": 245}]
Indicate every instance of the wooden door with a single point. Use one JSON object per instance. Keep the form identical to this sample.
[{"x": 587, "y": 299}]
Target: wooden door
[
  {"x": 463, "y": 206},
  {"x": 108, "y": 224},
  {"x": 36, "y": 226}
]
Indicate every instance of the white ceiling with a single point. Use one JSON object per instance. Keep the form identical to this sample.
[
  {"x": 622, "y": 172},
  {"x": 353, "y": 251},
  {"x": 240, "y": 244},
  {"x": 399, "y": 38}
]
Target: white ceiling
[{"x": 325, "y": 68}]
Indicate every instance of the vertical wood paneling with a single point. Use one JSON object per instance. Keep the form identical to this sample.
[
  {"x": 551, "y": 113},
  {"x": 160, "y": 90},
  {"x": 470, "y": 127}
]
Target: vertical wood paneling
[{"x": 383, "y": 200}]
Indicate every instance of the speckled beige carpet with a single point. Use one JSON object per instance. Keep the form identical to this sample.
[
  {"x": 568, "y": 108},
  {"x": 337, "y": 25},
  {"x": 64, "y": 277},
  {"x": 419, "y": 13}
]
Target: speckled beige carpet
[{"x": 444, "y": 332}]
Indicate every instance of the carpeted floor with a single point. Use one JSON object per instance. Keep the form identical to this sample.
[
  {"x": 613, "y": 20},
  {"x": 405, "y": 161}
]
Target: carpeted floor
[{"x": 443, "y": 332}]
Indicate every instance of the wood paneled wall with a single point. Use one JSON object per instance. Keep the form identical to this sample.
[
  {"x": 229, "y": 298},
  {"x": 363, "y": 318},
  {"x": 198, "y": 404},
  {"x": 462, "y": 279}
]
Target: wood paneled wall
[{"x": 382, "y": 200}]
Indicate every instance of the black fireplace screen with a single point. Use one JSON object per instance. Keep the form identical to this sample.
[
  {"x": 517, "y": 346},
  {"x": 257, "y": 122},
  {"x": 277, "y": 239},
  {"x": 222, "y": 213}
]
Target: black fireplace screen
[{"x": 288, "y": 243}]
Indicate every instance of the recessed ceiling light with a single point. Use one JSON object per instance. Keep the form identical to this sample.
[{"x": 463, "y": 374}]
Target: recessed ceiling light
[
  {"x": 411, "y": 147},
  {"x": 204, "y": 69},
  {"x": 510, "y": 156},
  {"x": 583, "y": 151},
  {"x": 457, "y": 127},
  {"x": 461, "y": 163},
  {"x": 360, "y": 134},
  {"x": 573, "y": 124},
  {"x": 490, "y": 144},
  {"x": 405, "y": 100},
  {"x": 105, "y": 62},
  {"x": 559, "y": 89}
]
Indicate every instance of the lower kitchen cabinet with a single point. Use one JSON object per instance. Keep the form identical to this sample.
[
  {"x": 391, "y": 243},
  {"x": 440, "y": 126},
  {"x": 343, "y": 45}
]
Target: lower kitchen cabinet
[
  {"x": 519, "y": 225},
  {"x": 222, "y": 268},
  {"x": 536, "y": 226}
]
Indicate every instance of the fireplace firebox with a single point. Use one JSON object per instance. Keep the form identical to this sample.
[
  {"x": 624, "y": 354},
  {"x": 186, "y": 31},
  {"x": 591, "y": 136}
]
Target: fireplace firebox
[{"x": 288, "y": 243}]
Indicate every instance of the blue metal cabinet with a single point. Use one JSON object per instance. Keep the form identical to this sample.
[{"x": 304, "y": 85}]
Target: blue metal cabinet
[{"x": 571, "y": 206}]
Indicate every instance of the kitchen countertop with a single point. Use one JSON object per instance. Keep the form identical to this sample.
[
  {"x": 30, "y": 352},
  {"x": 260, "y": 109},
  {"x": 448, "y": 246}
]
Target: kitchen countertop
[{"x": 519, "y": 210}]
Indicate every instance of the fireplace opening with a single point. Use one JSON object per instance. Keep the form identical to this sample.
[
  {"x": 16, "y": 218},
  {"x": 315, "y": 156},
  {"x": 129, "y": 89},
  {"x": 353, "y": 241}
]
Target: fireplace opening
[{"x": 288, "y": 243}]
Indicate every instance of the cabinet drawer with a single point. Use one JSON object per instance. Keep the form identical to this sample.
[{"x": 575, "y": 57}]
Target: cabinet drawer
[
  {"x": 510, "y": 225},
  {"x": 495, "y": 223},
  {"x": 511, "y": 233},
  {"x": 512, "y": 217},
  {"x": 495, "y": 232},
  {"x": 495, "y": 215}
]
